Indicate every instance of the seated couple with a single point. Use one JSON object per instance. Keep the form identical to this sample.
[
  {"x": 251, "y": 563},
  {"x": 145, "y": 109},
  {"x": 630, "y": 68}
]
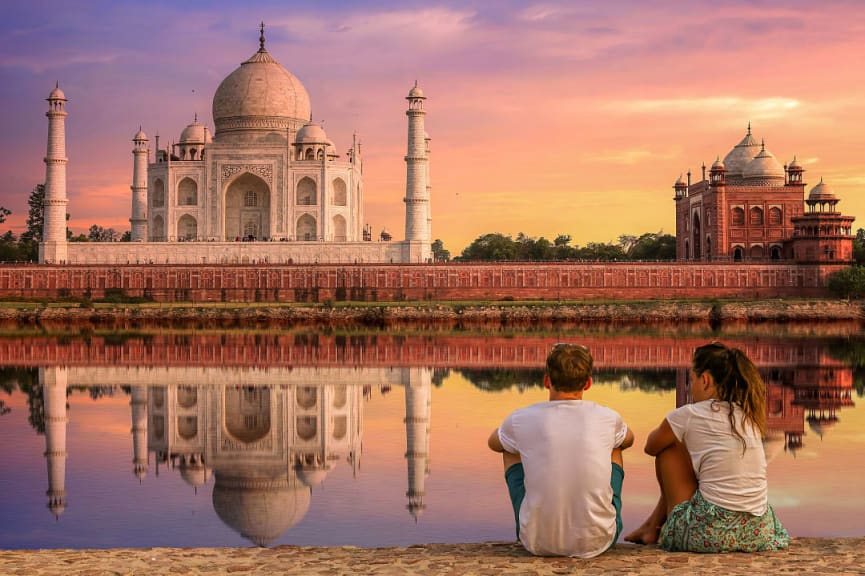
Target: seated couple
[{"x": 564, "y": 468}]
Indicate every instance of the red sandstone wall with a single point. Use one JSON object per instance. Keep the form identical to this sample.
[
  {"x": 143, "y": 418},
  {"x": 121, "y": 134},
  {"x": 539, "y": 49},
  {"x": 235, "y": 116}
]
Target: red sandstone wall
[{"x": 490, "y": 281}]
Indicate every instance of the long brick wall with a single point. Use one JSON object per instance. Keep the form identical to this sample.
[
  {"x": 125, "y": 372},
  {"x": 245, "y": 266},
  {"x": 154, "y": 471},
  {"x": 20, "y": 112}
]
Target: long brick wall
[{"x": 396, "y": 282}]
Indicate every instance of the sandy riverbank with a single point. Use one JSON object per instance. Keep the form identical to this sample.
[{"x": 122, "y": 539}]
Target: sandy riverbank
[{"x": 805, "y": 556}]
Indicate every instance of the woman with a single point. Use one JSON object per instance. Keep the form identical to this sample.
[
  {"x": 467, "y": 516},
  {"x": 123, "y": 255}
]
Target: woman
[{"x": 710, "y": 463}]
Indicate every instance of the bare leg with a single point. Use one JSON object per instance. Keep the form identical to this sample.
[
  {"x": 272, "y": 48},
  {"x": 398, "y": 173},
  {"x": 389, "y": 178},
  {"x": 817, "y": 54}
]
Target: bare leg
[{"x": 678, "y": 483}]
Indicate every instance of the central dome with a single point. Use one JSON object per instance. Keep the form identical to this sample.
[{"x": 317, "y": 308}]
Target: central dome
[{"x": 260, "y": 96}]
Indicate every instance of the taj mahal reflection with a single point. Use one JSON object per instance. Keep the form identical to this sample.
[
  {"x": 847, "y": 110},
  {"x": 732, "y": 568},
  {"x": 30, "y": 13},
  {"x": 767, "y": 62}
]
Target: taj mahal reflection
[{"x": 263, "y": 441}]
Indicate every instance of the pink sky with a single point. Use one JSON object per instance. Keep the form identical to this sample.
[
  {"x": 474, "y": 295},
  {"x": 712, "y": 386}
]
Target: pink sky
[{"x": 546, "y": 118}]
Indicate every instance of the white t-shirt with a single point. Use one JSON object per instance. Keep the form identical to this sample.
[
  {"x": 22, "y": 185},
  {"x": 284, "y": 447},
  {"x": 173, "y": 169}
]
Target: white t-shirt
[
  {"x": 726, "y": 477},
  {"x": 565, "y": 447}
]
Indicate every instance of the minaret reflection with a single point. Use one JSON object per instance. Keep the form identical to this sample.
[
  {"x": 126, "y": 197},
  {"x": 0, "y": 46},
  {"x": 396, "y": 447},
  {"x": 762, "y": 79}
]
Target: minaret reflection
[
  {"x": 418, "y": 405},
  {"x": 140, "y": 461},
  {"x": 53, "y": 382}
]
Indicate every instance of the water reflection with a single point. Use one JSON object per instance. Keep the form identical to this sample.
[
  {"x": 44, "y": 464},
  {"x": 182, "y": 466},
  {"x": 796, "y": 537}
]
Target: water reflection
[
  {"x": 265, "y": 440},
  {"x": 261, "y": 420}
]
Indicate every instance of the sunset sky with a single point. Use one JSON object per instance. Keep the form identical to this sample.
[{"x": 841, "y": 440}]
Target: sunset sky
[{"x": 546, "y": 118}]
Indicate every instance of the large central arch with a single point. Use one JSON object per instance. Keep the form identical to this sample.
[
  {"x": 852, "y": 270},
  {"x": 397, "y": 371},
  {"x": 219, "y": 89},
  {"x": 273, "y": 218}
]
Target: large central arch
[{"x": 247, "y": 208}]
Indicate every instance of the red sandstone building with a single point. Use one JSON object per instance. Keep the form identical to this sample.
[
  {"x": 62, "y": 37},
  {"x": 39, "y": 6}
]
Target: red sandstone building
[{"x": 751, "y": 209}]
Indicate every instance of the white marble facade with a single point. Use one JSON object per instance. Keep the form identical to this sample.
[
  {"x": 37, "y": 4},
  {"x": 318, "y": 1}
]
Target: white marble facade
[{"x": 267, "y": 186}]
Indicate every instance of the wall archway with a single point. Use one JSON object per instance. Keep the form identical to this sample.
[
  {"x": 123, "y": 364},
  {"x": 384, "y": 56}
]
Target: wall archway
[
  {"x": 187, "y": 228},
  {"x": 697, "y": 233},
  {"x": 187, "y": 192},
  {"x": 307, "y": 192},
  {"x": 247, "y": 412},
  {"x": 340, "y": 193},
  {"x": 157, "y": 234},
  {"x": 157, "y": 199},
  {"x": 339, "y": 229},
  {"x": 756, "y": 252},
  {"x": 307, "y": 230},
  {"x": 241, "y": 219}
]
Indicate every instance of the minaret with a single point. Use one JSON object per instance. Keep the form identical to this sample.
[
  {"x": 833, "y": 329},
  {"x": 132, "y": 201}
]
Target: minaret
[
  {"x": 417, "y": 435},
  {"x": 138, "y": 220},
  {"x": 53, "y": 381},
  {"x": 52, "y": 248},
  {"x": 416, "y": 193},
  {"x": 139, "y": 431},
  {"x": 428, "y": 189}
]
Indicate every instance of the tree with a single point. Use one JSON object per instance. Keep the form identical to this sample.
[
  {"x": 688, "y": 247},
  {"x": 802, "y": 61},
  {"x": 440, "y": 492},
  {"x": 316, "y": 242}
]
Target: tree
[
  {"x": 35, "y": 215},
  {"x": 127, "y": 236},
  {"x": 99, "y": 234},
  {"x": 439, "y": 252},
  {"x": 4, "y": 212},
  {"x": 859, "y": 246},
  {"x": 491, "y": 247},
  {"x": 848, "y": 283},
  {"x": 649, "y": 246}
]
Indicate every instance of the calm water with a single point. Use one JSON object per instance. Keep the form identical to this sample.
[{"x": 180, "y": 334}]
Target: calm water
[{"x": 233, "y": 439}]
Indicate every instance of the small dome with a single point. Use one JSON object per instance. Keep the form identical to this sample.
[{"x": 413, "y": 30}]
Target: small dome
[
  {"x": 57, "y": 93},
  {"x": 140, "y": 135},
  {"x": 195, "y": 133},
  {"x": 821, "y": 192},
  {"x": 741, "y": 154},
  {"x": 194, "y": 474},
  {"x": 416, "y": 92},
  {"x": 794, "y": 165},
  {"x": 311, "y": 133},
  {"x": 312, "y": 476},
  {"x": 718, "y": 165},
  {"x": 764, "y": 166},
  {"x": 681, "y": 181}
]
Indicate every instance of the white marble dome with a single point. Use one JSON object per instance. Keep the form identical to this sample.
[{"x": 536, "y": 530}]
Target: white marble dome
[
  {"x": 821, "y": 192},
  {"x": 195, "y": 133},
  {"x": 260, "y": 95},
  {"x": 57, "y": 93},
  {"x": 259, "y": 509},
  {"x": 764, "y": 166},
  {"x": 741, "y": 154},
  {"x": 311, "y": 133}
]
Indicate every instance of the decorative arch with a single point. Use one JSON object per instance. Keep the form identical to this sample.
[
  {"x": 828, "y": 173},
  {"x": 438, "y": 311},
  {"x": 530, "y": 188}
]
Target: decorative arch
[
  {"x": 187, "y": 427},
  {"x": 157, "y": 199},
  {"x": 306, "y": 228},
  {"x": 776, "y": 218},
  {"x": 242, "y": 220},
  {"x": 307, "y": 192},
  {"x": 307, "y": 396},
  {"x": 339, "y": 228},
  {"x": 756, "y": 252},
  {"x": 247, "y": 412},
  {"x": 187, "y": 192},
  {"x": 737, "y": 217},
  {"x": 775, "y": 252},
  {"x": 187, "y": 228},
  {"x": 307, "y": 427},
  {"x": 187, "y": 396},
  {"x": 310, "y": 154},
  {"x": 738, "y": 253},
  {"x": 755, "y": 217},
  {"x": 158, "y": 231},
  {"x": 697, "y": 233},
  {"x": 340, "y": 194},
  {"x": 340, "y": 427}
]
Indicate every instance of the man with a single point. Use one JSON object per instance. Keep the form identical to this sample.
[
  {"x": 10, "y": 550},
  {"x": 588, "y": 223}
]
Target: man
[{"x": 563, "y": 463}]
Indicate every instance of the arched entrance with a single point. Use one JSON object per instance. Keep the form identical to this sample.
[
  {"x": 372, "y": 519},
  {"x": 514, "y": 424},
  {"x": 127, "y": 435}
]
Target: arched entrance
[
  {"x": 737, "y": 254},
  {"x": 247, "y": 208},
  {"x": 247, "y": 412},
  {"x": 306, "y": 228},
  {"x": 698, "y": 254}
]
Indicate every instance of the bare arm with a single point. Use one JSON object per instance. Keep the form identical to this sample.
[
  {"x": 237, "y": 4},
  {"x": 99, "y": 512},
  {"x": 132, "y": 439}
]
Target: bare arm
[
  {"x": 494, "y": 443},
  {"x": 660, "y": 438},
  {"x": 628, "y": 441}
]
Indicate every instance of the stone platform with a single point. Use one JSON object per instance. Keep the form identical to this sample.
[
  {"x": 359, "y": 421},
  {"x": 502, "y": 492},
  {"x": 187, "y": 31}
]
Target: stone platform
[{"x": 805, "y": 556}]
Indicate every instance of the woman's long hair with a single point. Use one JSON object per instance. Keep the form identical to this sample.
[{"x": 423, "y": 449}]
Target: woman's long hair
[{"x": 737, "y": 382}]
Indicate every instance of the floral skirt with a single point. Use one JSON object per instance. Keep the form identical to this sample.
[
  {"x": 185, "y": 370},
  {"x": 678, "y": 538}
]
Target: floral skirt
[{"x": 700, "y": 526}]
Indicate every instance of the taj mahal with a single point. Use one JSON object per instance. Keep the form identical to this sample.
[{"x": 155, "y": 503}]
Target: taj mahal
[{"x": 268, "y": 186}]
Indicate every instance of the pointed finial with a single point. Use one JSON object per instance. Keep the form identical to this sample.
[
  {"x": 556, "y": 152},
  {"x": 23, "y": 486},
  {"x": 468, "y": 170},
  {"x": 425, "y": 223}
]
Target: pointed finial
[
  {"x": 762, "y": 145},
  {"x": 749, "y": 127},
  {"x": 57, "y": 83},
  {"x": 415, "y": 83},
  {"x": 261, "y": 37},
  {"x": 195, "y": 121}
]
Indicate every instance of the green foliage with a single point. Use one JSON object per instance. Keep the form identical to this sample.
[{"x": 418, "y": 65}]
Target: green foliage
[
  {"x": 499, "y": 247},
  {"x": 4, "y": 212},
  {"x": 99, "y": 234},
  {"x": 848, "y": 283},
  {"x": 859, "y": 246},
  {"x": 439, "y": 252}
]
